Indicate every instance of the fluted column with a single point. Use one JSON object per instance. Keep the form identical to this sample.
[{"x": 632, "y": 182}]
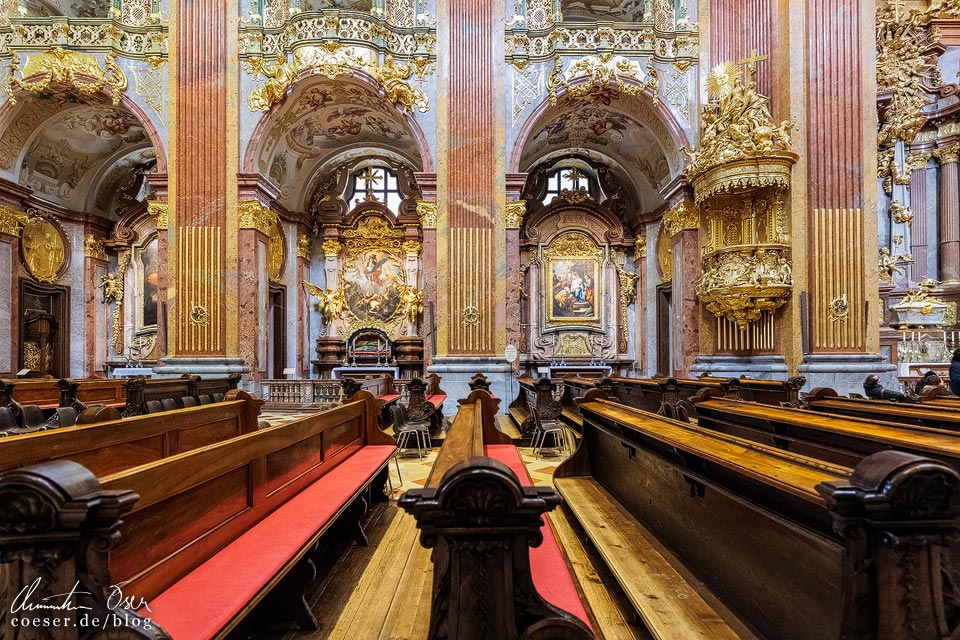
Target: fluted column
[
  {"x": 917, "y": 166},
  {"x": 949, "y": 213},
  {"x": 11, "y": 222}
]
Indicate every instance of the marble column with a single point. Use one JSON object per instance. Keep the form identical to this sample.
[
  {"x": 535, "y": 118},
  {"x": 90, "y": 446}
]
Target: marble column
[
  {"x": 685, "y": 323},
  {"x": 10, "y": 228},
  {"x": 949, "y": 214},
  {"x": 202, "y": 314},
  {"x": 95, "y": 264},
  {"x": 835, "y": 227},
  {"x": 917, "y": 165},
  {"x": 515, "y": 211},
  {"x": 471, "y": 197},
  {"x": 427, "y": 210},
  {"x": 304, "y": 254}
]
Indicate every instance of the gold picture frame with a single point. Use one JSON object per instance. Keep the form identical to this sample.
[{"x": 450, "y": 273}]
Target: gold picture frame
[
  {"x": 44, "y": 248},
  {"x": 572, "y": 283}
]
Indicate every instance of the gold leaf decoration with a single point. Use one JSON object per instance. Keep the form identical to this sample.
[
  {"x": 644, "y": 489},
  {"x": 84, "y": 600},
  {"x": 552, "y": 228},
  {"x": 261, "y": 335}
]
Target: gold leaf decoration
[{"x": 77, "y": 71}]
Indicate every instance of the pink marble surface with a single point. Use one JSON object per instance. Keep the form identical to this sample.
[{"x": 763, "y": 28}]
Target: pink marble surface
[{"x": 686, "y": 307}]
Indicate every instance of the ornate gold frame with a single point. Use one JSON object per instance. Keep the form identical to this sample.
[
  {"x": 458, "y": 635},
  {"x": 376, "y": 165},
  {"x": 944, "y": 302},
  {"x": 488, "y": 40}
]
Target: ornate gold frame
[
  {"x": 139, "y": 271},
  {"x": 572, "y": 245},
  {"x": 26, "y": 251},
  {"x": 373, "y": 231}
]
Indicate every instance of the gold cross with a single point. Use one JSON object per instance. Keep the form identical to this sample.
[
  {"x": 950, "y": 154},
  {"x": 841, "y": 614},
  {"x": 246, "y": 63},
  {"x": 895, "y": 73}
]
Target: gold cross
[
  {"x": 896, "y": 5},
  {"x": 752, "y": 61},
  {"x": 574, "y": 174},
  {"x": 371, "y": 178}
]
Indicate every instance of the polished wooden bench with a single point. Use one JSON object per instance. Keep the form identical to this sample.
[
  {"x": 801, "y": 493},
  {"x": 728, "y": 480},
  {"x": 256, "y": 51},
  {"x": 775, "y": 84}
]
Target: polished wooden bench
[
  {"x": 49, "y": 393},
  {"x": 207, "y": 534},
  {"x": 797, "y": 548},
  {"x": 937, "y": 416},
  {"x": 539, "y": 393},
  {"x": 141, "y": 390},
  {"x": 480, "y": 516},
  {"x": 110, "y": 446},
  {"x": 838, "y": 439}
]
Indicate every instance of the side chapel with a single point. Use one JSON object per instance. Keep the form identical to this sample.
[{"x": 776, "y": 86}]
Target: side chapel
[{"x": 287, "y": 194}]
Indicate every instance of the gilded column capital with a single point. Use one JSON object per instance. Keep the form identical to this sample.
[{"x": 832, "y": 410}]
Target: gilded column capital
[
  {"x": 255, "y": 215},
  {"x": 412, "y": 248},
  {"x": 948, "y": 153},
  {"x": 93, "y": 247},
  {"x": 304, "y": 245},
  {"x": 918, "y": 161},
  {"x": 515, "y": 211},
  {"x": 159, "y": 210},
  {"x": 428, "y": 214},
  {"x": 11, "y": 221},
  {"x": 331, "y": 248},
  {"x": 682, "y": 216}
]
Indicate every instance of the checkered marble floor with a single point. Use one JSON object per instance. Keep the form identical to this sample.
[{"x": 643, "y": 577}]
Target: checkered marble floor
[{"x": 414, "y": 471}]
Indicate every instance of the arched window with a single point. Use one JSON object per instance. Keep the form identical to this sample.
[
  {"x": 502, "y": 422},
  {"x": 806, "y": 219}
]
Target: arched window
[
  {"x": 374, "y": 184},
  {"x": 570, "y": 180}
]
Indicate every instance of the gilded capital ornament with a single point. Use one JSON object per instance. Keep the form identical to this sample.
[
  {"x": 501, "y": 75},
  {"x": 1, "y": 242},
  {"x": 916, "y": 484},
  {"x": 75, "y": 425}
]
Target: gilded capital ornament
[
  {"x": 78, "y": 71},
  {"x": 947, "y": 154},
  {"x": 412, "y": 248},
  {"x": 255, "y": 215},
  {"x": 11, "y": 221},
  {"x": 515, "y": 211},
  {"x": 918, "y": 161},
  {"x": 600, "y": 70},
  {"x": 93, "y": 247},
  {"x": 428, "y": 214},
  {"x": 304, "y": 245},
  {"x": 680, "y": 217},
  {"x": 331, "y": 248},
  {"x": 158, "y": 209}
]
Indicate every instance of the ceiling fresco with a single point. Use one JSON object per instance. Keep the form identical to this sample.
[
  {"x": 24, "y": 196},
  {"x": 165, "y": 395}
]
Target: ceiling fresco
[
  {"x": 72, "y": 8},
  {"x": 319, "y": 121},
  {"x": 615, "y": 10},
  {"x": 62, "y": 150},
  {"x": 619, "y": 127}
]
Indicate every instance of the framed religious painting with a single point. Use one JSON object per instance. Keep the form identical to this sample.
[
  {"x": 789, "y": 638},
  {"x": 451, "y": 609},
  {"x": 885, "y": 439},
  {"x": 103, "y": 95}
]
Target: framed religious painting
[
  {"x": 146, "y": 268},
  {"x": 573, "y": 287}
]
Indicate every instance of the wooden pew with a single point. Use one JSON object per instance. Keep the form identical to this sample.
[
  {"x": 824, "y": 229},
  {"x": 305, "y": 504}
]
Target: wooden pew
[
  {"x": 380, "y": 387},
  {"x": 49, "y": 393},
  {"x": 837, "y": 439},
  {"x": 798, "y": 548},
  {"x": 142, "y": 390},
  {"x": 539, "y": 393},
  {"x": 937, "y": 416},
  {"x": 939, "y": 396},
  {"x": 573, "y": 390},
  {"x": 206, "y": 534},
  {"x": 480, "y": 520},
  {"x": 108, "y": 447}
]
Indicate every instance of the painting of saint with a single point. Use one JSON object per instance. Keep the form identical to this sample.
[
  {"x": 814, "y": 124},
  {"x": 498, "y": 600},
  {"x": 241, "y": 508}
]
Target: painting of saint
[
  {"x": 150, "y": 300},
  {"x": 573, "y": 290},
  {"x": 372, "y": 284}
]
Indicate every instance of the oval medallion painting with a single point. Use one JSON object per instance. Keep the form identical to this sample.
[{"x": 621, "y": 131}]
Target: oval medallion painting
[
  {"x": 42, "y": 249},
  {"x": 372, "y": 282}
]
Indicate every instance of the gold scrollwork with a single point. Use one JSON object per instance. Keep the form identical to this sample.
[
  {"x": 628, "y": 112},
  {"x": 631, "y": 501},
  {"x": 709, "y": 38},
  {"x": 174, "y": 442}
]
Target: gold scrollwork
[
  {"x": 640, "y": 249},
  {"x": 304, "y": 245},
  {"x": 427, "y": 211},
  {"x": 159, "y": 210},
  {"x": 839, "y": 309},
  {"x": 331, "y": 248},
  {"x": 44, "y": 248},
  {"x": 93, "y": 247},
  {"x": 900, "y": 213},
  {"x": 392, "y": 77},
  {"x": 470, "y": 315},
  {"x": 11, "y": 220},
  {"x": 514, "y": 213},
  {"x": 372, "y": 232},
  {"x": 573, "y": 243},
  {"x": 600, "y": 70},
  {"x": 665, "y": 254},
  {"x": 740, "y": 283},
  {"x": 79, "y": 71},
  {"x": 112, "y": 284},
  {"x": 736, "y": 125},
  {"x": 412, "y": 248},
  {"x": 199, "y": 316},
  {"x": 682, "y": 216},
  {"x": 255, "y": 215}
]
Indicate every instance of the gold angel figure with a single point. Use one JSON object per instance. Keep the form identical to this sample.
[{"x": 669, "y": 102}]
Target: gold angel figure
[
  {"x": 330, "y": 301},
  {"x": 280, "y": 75},
  {"x": 112, "y": 284},
  {"x": 413, "y": 299}
]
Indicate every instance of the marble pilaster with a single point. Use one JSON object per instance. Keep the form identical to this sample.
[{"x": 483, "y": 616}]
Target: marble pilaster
[{"x": 685, "y": 323}]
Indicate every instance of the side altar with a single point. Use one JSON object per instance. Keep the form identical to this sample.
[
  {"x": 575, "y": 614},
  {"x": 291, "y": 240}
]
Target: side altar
[{"x": 371, "y": 303}]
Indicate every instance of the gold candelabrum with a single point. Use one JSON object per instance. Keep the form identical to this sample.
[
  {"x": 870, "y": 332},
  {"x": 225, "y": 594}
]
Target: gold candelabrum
[{"x": 740, "y": 173}]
